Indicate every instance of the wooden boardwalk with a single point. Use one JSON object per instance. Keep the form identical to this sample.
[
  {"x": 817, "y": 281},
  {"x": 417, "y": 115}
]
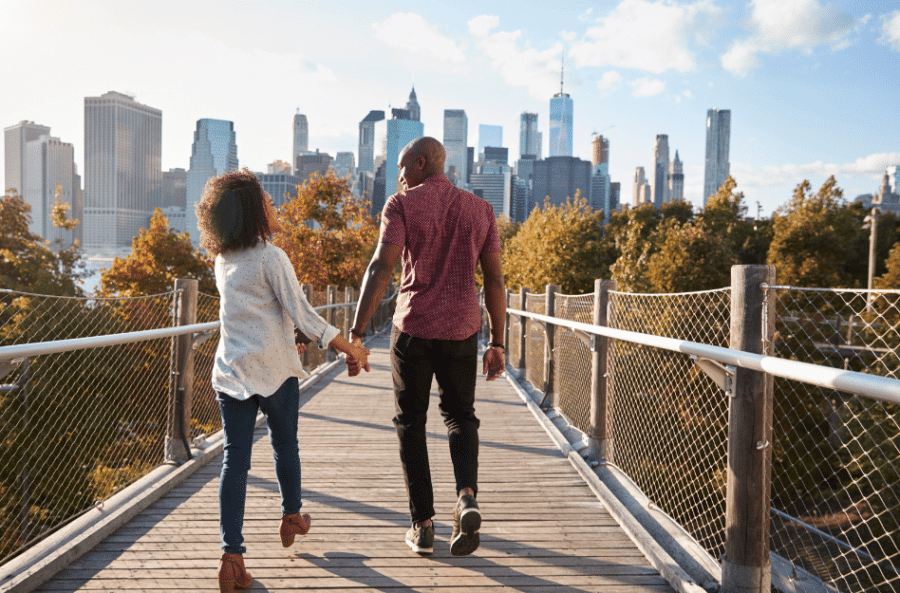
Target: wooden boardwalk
[{"x": 544, "y": 530}]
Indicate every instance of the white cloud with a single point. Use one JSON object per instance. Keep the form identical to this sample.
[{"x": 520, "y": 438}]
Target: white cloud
[
  {"x": 654, "y": 36},
  {"x": 871, "y": 166},
  {"x": 646, "y": 87},
  {"x": 411, "y": 32},
  {"x": 781, "y": 25},
  {"x": 519, "y": 66},
  {"x": 481, "y": 26},
  {"x": 610, "y": 81},
  {"x": 890, "y": 30},
  {"x": 586, "y": 15}
]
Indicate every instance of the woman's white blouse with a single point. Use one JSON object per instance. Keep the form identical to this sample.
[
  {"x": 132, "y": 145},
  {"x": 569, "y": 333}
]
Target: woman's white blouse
[{"x": 260, "y": 304}]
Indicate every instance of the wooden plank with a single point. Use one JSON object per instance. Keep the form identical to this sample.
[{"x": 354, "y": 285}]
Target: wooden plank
[{"x": 544, "y": 530}]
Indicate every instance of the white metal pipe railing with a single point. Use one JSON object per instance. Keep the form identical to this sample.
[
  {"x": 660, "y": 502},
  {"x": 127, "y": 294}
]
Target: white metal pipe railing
[
  {"x": 19, "y": 351},
  {"x": 882, "y": 388}
]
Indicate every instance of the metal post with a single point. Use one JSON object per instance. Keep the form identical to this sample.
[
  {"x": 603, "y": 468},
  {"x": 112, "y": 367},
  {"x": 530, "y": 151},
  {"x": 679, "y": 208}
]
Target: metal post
[
  {"x": 181, "y": 382},
  {"x": 523, "y": 326},
  {"x": 329, "y": 317},
  {"x": 22, "y": 384},
  {"x": 872, "y": 218},
  {"x": 746, "y": 567},
  {"x": 550, "y": 311},
  {"x": 600, "y": 442}
]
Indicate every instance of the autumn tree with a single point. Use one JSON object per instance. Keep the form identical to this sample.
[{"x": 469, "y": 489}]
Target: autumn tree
[
  {"x": 559, "y": 245},
  {"x": 27, "y": 262},
  {"x": 812, "y": 237},
  {"x": 159, "y": 255},
  {"x": 328, "y": 235},
  {"x": 689, "y": 258},
  {"x": 890, "y": 280},
  {"x": 633, "y": 234}
]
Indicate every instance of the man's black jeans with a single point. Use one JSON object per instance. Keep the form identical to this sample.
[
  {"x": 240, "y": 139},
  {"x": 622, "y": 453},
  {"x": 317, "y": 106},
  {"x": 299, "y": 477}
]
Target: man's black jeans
[{"x": 414, "y": 362}]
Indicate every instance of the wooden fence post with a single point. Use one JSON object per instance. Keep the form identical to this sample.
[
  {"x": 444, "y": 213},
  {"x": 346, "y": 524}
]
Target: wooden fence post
[
  {"x": 506, "y": 328},
  {"x": 746, "y": 567},
  {"x": 523, "y": 333},
  {"x": 329, "y": 317},
  {"x": 307, "y": 292},
  {"x": 181, "y": 380},
  {"x": 600, "y": 442},
  {"x": 348, "y": 318},
  {"x": 550, "y": 311}
]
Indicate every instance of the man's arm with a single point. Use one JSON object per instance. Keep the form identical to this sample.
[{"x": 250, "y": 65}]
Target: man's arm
[
  {"x": 374, "y": 284},
  {"x": 495, "y": 303}
]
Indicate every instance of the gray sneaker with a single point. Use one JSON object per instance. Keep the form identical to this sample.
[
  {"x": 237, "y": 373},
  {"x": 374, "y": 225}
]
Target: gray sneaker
[
  {"x": 466, "y": 523},
  {"x": 421, "y": 539}
]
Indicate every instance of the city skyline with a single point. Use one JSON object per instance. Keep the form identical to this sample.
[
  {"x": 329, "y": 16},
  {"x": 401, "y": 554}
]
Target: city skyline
[{"x": 804, "y": 107}]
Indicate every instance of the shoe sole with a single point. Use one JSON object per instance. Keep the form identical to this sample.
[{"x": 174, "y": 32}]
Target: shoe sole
[
  {"x": 419, "y": 549},
  {"x": 468, "y": 539}
]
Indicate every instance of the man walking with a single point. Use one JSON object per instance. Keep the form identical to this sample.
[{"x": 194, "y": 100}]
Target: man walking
[{"x": 441, "y": 234}]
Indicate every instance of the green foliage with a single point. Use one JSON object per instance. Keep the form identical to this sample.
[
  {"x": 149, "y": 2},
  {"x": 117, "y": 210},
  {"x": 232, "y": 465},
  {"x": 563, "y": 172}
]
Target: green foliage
[
  {"x": 812, "y": 237},
  {"x": 27, "y": 262},
  {"x": 159, "y": 255},
  {"x": 561, "y": 245},
  {"x": 891, "y": 278},
  {"x": 328, "y": 235},
  {"x": 690, "y": 258}
]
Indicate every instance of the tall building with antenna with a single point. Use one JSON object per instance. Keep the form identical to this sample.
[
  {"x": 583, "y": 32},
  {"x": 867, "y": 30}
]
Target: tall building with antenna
[
  {"x": 301, "y": 137},
  {"x": 561, "y": 109}
]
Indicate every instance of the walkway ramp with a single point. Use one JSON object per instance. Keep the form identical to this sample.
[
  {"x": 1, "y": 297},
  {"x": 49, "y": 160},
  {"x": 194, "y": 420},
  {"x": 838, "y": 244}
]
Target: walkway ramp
[{"x": 544, "y": 530}]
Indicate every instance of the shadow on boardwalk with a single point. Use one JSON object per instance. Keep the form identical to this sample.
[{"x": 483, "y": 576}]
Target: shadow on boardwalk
[{"x": 544, "y": 529}]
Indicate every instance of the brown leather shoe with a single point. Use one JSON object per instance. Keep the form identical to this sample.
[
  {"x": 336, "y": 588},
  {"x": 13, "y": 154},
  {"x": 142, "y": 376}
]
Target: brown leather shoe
[
  {"x": 291, "y": 526},
  {"x": 232, "y": 574}
]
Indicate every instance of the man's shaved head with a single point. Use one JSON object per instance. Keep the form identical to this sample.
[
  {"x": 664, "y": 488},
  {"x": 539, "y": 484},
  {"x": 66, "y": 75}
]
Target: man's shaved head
[{"x": 431, "y": 149}]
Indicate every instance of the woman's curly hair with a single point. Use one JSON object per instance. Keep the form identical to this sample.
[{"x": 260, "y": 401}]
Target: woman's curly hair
[{"x": 232, "y": 213}]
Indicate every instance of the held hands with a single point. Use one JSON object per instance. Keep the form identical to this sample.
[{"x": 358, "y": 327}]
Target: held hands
[
  {"x": 358, "y": 359},
  {"x": 494, "y": 363}
]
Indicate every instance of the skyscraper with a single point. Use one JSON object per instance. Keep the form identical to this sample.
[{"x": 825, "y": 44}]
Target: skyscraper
[
  {"x": 560, "y": 177},
  {"x": 492, "y": 182},
  {"x": 122, "y": 169},
  {"x": 661, "y": 170},
  {"x": 412, "y": 105},
  {"x": 676, "y": 179},
  {"x": 456, "y": 138},
  {"x": 50, "y": 178},
  {"x": 640, "y": 179},
  {"x": 366, "y": 157},
  {"x": 599, "y": 150},
  {"x": 530, "y": 139},
  {"x": 489, "y": 135},
  {"x": 14, "y": 138},
  {"x": 213, "y": 153},
  {"x": 401, "y": 130},
  {"x": 345, "y": 164},
  {"x": 561, "y": 109},
  {"x": 301, "y": 137},
  {"x": 312, "y": 162},
  {"x": 718, "y": 137}
]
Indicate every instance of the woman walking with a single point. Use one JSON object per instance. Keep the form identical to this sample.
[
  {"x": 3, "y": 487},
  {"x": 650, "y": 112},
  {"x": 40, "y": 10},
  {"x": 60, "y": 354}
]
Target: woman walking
[{"x": 256, "y": 365}]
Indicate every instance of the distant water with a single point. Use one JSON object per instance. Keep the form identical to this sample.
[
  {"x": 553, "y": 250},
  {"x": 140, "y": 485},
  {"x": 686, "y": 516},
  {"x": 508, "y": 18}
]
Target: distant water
[{"x": 95, "y": 265}]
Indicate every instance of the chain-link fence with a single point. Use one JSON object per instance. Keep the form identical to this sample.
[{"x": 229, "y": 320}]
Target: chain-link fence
[
  {"x": 836, "y": 457},
  {"x": 77, "y": 427},
  {"x": 669, "y": 420},
  {"x": 836, "y": 461},
  {"x": 572, "y": 376}
]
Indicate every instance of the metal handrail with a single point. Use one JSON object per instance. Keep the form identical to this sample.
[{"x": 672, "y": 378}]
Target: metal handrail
[
  {"x": 882, "y": 388},
  {"x": 18, "y": 351}
]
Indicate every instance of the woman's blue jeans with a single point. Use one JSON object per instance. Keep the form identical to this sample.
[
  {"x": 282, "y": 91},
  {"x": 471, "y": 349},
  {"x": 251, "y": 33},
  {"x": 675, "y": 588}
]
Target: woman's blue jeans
[{"x": 239, "y": 422}]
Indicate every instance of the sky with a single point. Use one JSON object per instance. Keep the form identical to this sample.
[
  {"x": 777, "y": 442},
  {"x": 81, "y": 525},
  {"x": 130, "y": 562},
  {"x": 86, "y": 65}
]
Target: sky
[{"x": 812, "y": 86}]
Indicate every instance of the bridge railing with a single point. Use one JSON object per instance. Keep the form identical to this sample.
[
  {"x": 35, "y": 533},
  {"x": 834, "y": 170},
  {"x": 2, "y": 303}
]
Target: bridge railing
[
  {"x": 97, "y": 392},
  {"x": 653, "y": 390}
]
